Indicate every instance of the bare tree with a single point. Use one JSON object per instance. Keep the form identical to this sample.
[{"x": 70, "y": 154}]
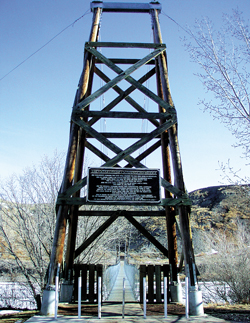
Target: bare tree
[
  {"x": 27, "y": 224},
  {"x": 224, "y": 58},
  {"x": 27, "y": 220},
  {"x": 228, "y": 266}
]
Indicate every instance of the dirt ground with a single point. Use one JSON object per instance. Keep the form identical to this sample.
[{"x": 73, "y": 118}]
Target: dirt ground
[{"x": 233, "y": 313}]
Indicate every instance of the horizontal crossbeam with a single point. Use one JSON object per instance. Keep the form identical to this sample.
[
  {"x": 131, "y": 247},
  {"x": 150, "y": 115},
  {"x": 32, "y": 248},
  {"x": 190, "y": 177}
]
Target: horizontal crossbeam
[
  {"x": 125, "y": 61},
  {"x": 126, "y": 7},
  {"x": 125, "y": 45},
  {"x": 132, "y": 213},
  {"x": 82, "y": 201},
  {"x": 126, "y": 115},
  {"x": 122, "y": 135}
]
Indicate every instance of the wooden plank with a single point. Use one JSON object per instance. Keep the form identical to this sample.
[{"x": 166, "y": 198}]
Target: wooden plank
[
  {"x": 75, "y": 283},
  {"x": 125, "y": 6},
  {"x": 81, "y": 105},
  {"x": 84, "y": 282},
  {"x": 165, "y": 270},
  {"x": 127, "y": 115},
  {"x": 125, "y": 61},
  {"x": 142, "y": 275},
  {"x": 175, "y": 202},
  {"x": 91, "y": 283},
  {"x": 64, "y": 200},
  {"x": 159, "y": 213},
  {"x": 151, "y": 283},
  {"x": 174, "y": 190},
  {"x": 123, "y": 135},
  {"x": 158, "y": 283},
  {"x": 124, "y": 45},
  {"x": 99, "y": 271},
  {"x": 152, "y": 239},
  {"x": 71, "y": 190}
]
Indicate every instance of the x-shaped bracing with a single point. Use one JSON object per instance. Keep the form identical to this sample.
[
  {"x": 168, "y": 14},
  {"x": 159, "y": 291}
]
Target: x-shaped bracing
[{"x": 79, "y": 113}]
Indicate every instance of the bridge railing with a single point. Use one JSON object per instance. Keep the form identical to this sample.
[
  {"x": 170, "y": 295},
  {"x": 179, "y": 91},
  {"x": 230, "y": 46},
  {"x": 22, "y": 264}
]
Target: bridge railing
[
  {"x": 133, "y": 275},
  {"x": 109, "y": 278}
]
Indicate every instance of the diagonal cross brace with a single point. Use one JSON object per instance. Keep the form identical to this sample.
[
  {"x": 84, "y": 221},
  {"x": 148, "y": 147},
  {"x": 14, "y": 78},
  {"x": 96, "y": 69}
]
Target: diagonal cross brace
[
  {"x": 124, "y": 95},
  {"x": 132, "y": 81},
  {"x": 130, "y": 159},
  {"x": 123, "y": 75},
  {"x": 124, "y": 153}
]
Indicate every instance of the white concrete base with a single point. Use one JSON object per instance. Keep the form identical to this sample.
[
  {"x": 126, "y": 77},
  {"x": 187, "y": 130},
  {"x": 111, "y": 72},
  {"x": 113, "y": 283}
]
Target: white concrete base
[
  {"x": 66, "y": 292},
  {"x": 48, "y": 302},
  {"x": 176, "y": 292},
  {"x": 195, "y": 302}
]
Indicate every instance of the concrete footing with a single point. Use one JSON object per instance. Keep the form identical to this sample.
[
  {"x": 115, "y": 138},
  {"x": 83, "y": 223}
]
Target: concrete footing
[
  {"x": 48, "y": 302},
  {"x": 176, "y": 292},
  {"x": 195, "y": 302}
]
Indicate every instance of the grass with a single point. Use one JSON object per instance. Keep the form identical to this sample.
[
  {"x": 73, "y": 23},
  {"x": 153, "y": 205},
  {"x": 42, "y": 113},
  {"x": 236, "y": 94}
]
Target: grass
[{"x": 19, "y": 317}]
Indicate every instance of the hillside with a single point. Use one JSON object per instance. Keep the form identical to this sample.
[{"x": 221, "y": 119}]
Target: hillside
[
  {"x": 213, "y": 208},
  {"x": 217, "y": 208},
  {"x": 220, "y": 207}
]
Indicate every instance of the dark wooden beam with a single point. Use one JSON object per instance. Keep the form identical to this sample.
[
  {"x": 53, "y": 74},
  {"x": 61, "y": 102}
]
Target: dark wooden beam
[
  {"x": 122, "y": 135},
  {"x": 127, "y": 115},
  {"x": 125, "y": 45},
  {"x": 131, "y": 213},
  {"x": 64, "y": 200},
  {"x": 128, "y": 61}
]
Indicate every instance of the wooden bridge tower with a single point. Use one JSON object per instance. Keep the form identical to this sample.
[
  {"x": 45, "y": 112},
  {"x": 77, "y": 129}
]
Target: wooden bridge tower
[{"x": 162, "y": 116}]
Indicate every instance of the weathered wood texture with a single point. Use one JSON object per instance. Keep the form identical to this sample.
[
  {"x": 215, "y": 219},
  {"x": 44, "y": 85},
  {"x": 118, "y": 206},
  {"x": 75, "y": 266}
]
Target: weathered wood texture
[
  {"x": 89, "y": 274},
  {"x": 175, "y": 153},
  {"x": 155, "y": 282}
]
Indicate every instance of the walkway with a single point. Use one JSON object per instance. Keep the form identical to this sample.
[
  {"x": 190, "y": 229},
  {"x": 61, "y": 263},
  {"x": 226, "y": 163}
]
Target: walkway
[
  {"x": 116, "y": 294},
  {"x": 127, "y": 319},
  {"x": 112, "y": 310},
  {"x": 113, "y": 306}
]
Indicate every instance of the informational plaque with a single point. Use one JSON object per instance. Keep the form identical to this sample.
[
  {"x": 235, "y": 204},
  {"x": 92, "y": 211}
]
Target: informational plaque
[{"x": 123, "y": 185}]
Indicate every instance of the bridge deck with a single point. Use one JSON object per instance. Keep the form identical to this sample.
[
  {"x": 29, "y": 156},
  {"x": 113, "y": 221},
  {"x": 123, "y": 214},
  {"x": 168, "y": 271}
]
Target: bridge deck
[{"x": 116, "y": 294}]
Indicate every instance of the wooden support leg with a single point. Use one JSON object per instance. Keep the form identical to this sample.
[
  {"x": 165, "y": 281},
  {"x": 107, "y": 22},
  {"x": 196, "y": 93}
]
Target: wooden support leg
[{"x": 69, "y": 173}]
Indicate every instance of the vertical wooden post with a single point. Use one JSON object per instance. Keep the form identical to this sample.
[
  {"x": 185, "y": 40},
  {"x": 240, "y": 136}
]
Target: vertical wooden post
[
  {"x": 84, "y": 89},
  {"x": 175, "y": 152},
  {"x": 69, "y": 173},
  {"x": 170, "y": 212}
]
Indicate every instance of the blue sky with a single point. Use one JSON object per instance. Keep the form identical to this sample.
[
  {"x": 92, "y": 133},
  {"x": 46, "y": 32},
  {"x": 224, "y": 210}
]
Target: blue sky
[{"x": 37, "y": 97}]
